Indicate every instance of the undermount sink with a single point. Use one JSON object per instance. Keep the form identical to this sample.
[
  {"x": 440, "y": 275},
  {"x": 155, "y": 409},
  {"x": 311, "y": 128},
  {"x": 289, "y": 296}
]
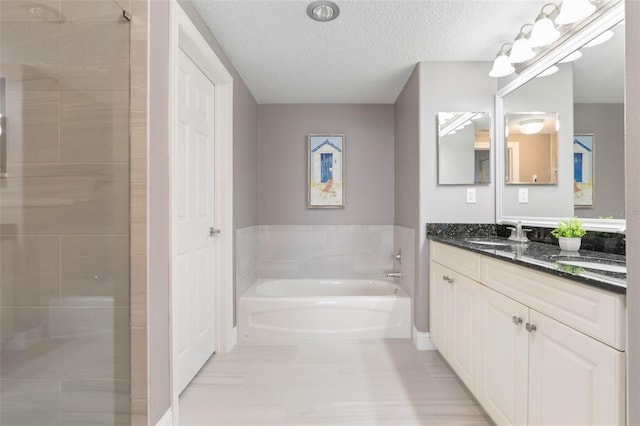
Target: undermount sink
[
  {"x": 489, "y": 242},
  {"x": 608, "y": 267}
]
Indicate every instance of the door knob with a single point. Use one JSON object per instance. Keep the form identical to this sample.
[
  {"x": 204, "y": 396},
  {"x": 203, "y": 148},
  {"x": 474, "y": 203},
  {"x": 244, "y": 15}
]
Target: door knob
[{"x": 213, "y": 231}]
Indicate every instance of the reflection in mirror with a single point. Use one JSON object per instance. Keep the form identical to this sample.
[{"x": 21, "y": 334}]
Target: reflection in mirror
[
  {"x": 532, "y": 148},
  {"x": 464, "y": 155}
]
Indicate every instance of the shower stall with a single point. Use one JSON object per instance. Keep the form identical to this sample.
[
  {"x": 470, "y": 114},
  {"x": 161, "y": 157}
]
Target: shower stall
[{"x": 64, "y": 213}]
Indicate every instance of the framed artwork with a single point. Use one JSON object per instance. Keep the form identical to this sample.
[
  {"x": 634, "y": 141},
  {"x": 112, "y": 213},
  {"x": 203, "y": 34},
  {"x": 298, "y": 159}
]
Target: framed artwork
[
  {"x": 325, "y": 179},
  {"x": 583, "y": 170}
]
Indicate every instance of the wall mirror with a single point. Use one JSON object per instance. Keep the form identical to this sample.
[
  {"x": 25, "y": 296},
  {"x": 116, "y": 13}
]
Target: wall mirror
[
  {"x": 531, "y": 148},
  {"x": 464, "y": 148},
  {"x": 581, "y": 80}
]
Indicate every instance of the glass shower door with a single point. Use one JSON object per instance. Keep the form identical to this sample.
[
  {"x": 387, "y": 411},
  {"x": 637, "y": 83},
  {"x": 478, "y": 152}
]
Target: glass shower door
[{"x": 64, "y": 213}]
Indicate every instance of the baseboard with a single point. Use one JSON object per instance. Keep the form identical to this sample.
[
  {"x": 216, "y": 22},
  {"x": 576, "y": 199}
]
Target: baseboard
[
  {"x": 422, "y": 340},
  {"x": 167, "y": 419}
]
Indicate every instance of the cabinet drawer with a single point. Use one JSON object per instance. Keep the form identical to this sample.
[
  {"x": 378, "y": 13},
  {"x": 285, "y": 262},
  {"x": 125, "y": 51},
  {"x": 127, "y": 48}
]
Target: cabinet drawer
[
  {"x": 595, "y": 312},
  {"x": 462, "y": 261}
]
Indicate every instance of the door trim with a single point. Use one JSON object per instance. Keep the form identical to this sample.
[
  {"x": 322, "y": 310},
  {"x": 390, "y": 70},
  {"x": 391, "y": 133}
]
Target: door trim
[{"x": 184, "y": 35}]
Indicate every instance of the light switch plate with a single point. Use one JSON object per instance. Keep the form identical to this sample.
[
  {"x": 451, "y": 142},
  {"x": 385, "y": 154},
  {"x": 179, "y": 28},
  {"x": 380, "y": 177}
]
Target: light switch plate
[
  {"x": 471, "y": 195},
  {"x": 523, "y": 195}
]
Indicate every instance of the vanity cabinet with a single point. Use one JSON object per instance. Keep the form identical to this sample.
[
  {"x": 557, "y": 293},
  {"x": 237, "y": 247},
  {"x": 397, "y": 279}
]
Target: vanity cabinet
[{"x": 548, "y": 351}]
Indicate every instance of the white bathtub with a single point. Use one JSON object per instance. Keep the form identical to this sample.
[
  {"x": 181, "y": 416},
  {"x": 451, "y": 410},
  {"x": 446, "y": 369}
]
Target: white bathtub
[{"x": 300, "y": 309}]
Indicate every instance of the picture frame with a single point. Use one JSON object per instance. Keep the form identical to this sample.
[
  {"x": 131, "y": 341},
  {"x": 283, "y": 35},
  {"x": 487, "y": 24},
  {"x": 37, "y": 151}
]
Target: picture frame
[
  {"x": 325, "y": 171},
  {"x": 583, "y": 170}
]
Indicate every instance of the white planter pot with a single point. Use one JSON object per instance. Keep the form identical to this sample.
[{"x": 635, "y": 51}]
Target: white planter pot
[{"x": 569, "y": 244}]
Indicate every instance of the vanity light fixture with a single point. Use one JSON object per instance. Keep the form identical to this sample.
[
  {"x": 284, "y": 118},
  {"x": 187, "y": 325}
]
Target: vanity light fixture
[
  {"x": 572, "y": 11},
  {"x": 605, "y": 36},
  {"x": 323, "y": 10},
  {"x": 544, "y": 31},
  {"x": 572, "y": 57},
  {"x": 531, "y": 127},
  {"x": 521, "y": 50},
  {"x": 551, "y": 70},
  {"x": 502, "y": 65}
]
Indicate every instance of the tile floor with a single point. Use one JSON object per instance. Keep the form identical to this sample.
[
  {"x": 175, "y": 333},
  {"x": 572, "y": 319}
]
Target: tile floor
[{"x": 367, "y": 382}]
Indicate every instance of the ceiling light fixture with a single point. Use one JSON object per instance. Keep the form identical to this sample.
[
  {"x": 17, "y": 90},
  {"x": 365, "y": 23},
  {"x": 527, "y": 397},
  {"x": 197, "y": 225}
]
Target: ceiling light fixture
[
  {"x": 502, "y": 65},
  {"x": 571, "y": 57},
  {"x": 521, "y": 49},
  {"x": 544, "y": 31},
  {"x": 572, "y": 11},
  {"x": 323, "y": 10},
  {"x": 531, "y": 127}
]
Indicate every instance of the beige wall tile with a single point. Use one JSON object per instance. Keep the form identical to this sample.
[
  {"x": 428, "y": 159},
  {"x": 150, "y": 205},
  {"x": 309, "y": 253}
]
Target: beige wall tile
[
  {"x": 138, "y": 75},
  {"x": 138, "y": 147},
  {"x": 67, "y": 199},
  {"x": 27, "y": 78},
  {"x": 140, "y": 17},
  {"x": 29, "y": 271},
  {"x": 65, "y": 343},
  {"x": 138, "y": 239},
  {"x": 139, "y": 416},
  {"x": 33, "y": 127},
  {"x": 139, "y": 291},
  {"x": 95, "y": 270},
  {"x": 21, "y": 10},
  {"x": 139, "y": 354},
  {"x": 91, "y": 10},
  {"x": 28, "y": 402},
  {"x": 138, "y": 203},
  {"x": 95, "y": 402},
  {"x": 94, "y": 127}
]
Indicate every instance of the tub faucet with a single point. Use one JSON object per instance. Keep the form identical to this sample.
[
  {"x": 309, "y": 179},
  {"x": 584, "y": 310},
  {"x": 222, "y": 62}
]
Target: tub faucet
[{"x": 395, "y": 275}]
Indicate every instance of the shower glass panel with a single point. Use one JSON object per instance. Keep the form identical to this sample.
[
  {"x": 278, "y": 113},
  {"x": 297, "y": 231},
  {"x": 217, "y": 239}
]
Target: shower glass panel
[{"x": 64, "y": 213}]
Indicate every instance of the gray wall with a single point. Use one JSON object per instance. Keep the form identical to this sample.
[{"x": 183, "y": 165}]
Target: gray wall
[
  {"x": 282, "y": 163},
  {"x": 245, "y": 142},
  {"x": 548, "y": 94},
  {"x": 632, "y": 177},
  {"x": 406, "y": 171},
  {"x": 447, "y": 86},
  {"x": 606, "y": 122}
]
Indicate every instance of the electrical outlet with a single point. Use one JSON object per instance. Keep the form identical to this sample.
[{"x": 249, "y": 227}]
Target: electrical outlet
[
  {"x": 523, "y": 195},
  {"x": 471, "y": 195}
]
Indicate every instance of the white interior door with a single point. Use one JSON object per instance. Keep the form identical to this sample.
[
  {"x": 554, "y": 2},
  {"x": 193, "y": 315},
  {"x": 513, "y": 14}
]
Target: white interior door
[{"x": 193, "y": 216}]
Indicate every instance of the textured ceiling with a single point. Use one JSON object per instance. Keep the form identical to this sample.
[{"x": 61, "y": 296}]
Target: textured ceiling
[{"x": 364, "y": 56}]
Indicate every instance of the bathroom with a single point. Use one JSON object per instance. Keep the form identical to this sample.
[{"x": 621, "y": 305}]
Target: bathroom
[{"x": 391, "y": 193}]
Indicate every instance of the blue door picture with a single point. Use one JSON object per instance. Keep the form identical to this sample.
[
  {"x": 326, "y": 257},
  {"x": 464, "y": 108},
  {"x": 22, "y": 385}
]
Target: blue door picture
[
  {"x": 326, "y": 161},
  {"x": 577, "y": 166}
]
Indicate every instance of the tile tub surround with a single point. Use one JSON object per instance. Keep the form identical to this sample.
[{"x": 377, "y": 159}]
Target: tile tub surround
[
  {"x": 246, "y": 260},
  {"x": 374, "y": 382},
  {"x": 403, "y": 241},
  {"x": 325, "y": 251}
]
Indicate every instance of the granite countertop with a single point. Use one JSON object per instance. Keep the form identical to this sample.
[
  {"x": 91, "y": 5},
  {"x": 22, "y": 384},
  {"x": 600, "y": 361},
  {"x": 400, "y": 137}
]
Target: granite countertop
[{"x": 548, "y": 258}]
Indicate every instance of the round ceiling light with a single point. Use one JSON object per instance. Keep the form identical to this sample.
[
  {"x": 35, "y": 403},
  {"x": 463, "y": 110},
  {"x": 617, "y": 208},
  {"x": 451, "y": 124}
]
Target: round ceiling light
[
  {"x": 531, "y": 127},
  {"x": 323, "y": 10}
]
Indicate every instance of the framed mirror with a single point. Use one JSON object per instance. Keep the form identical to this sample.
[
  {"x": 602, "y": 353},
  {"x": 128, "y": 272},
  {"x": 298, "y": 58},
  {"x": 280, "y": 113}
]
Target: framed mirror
[
  {"x": 464, "y": 148},
  {"x": 531, "y": 148},
  {"x": 586, "y": 93}
]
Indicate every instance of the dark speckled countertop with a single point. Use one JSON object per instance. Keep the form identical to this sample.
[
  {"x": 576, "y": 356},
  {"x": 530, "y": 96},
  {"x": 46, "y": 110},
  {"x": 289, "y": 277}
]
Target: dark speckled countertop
[{"x": 548, "y": 258}]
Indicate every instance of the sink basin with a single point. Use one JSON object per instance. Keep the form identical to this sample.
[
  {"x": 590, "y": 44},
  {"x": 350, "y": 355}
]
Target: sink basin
[
  {"x": 489, "y": 242},
  {"x": 608, "y": 267}
]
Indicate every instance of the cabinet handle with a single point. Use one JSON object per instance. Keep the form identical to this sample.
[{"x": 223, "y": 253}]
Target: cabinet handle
[
  {"x": 530, "y": 327},
  {"x": 516, "y": 320},
  {"x": 447, "y": 279}
]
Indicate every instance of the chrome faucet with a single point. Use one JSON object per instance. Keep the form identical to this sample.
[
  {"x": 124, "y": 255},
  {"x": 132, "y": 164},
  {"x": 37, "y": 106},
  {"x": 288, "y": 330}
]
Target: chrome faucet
[
  {"x": 519, "y": 235},
  {"x": 395, "y": 275}
]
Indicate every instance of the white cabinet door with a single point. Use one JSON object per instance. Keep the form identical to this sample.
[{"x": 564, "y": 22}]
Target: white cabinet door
[
  {"x": 439, "y": 290},
  {"x": 463, "y": 344},
  {"x": 573, "y": 379},
  {"x": 503, "y": 355}
]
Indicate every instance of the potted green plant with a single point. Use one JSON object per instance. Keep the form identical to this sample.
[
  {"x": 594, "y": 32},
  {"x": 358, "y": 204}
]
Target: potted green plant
[{"x": 569, "y": 234}]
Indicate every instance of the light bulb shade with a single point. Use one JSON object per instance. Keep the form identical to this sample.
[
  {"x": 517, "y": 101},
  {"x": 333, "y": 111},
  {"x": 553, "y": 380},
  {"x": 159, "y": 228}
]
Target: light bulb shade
[
  {"x": 571, "y": 57},
  {"x": 521, "y": 50},
  {"x": 573, "y": 11},
  {"x": 543, "y": 32},
  {"x": 531, "y": 127},
  {"x": 605, "y": 36},
  {"x": 501, "y": 66},
  {"x": 551, "y": 70}
]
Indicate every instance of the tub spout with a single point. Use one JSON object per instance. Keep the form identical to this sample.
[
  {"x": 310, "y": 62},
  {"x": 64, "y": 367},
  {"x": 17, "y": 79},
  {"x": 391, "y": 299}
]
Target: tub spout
[{"x": 395, "y": 275}]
